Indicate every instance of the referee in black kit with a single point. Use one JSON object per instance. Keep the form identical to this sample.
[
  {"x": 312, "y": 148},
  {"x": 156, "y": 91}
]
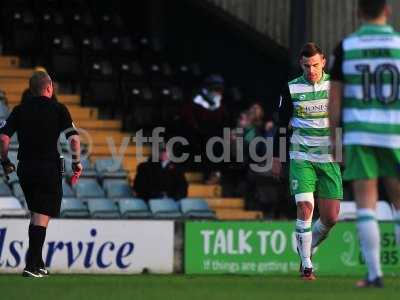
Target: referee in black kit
[{"x": 38, "y": 123}]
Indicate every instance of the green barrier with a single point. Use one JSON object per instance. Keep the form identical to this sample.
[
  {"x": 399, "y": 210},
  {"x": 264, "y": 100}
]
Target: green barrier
[{"x": 270, "y": 248}]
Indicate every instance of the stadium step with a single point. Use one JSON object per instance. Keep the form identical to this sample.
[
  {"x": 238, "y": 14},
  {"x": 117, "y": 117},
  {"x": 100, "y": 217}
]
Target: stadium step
[
  {"x": 129, "y": 163},
  {"x": 82, "y": 113},
  {"x": 106, "y": 150},
  {"x": 9, "y": 62},
  {"x": 226, "y": 203},
  {"x": 15, "y": 74},
  {"x": 98, "y": 137},
  {"x": 70, "y": 100},
  {"x": 190, "y": 177},
  {"x": 229, "y": 214},
  {"x": 194, "y": 177},
  {"x": 204, "y": 191},
  {"x": 11, "y": 87},
  {"x": 98, "y": 124}
]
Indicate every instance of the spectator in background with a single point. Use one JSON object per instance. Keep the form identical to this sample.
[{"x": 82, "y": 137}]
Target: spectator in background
[
  {"x": 257, "y": 114},
  {"x": 260, "y": 190},
  {"x": 203, "y": 118},
  {"x": 160, "y": 178},
  {"x": 233, "y": 182},
  {"x": 245, "y": 129},
  {"x": 269, "y": 128},
  {"x": 27, "y": 94}
]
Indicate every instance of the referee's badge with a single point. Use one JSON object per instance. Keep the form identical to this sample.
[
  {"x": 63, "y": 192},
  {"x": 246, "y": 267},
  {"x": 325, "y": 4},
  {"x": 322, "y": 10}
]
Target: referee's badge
[{"x": 3, "y": 123}]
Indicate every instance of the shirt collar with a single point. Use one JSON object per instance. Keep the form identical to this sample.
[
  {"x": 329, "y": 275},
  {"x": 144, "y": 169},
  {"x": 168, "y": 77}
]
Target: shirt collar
[
  {"x": 375, "y": 28},
  {"x": 323, "y": 78}
]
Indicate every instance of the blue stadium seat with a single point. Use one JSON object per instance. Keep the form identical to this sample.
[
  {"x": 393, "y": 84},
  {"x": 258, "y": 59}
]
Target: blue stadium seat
[
  {"x": 64, "y": 60},
  {"x": 88, "y": 188},
  {"x": 4, "y": 189},
  {"x": 12, "y": 155},
  {"x": 88, "y": 170},
  {"x": 110, "y": 24},
  {"x": 73, "y": 208},
  {"x": 196, "y": 209},
  {"x": 101, "y": 84},
  {"x": 109, "y": 168},
  {"x": 165, "y": 209},
  {"x": 133, "y": 208},
  {"x": 117, "y": 188},
  {"x": 23, "y": 33},
  {"x": 80, "y": 19},
  {"x": 130, "y": 72},
  {"x": 103, "y": 208},
  {"x": 11, "y": 207},
  {"x": 13, "y": 178},
  {"x": 68, "y": 192},
  {"x": 17, "y": 190},
  {"x": 4, "y": 111},
  {"x": 23, "y": 202},
  {"x": 14, "y": 144}
]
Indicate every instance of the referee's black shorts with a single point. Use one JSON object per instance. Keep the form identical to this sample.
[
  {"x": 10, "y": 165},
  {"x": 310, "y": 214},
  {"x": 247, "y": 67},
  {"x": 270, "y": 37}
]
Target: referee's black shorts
[{"x": 41, "y": 183}]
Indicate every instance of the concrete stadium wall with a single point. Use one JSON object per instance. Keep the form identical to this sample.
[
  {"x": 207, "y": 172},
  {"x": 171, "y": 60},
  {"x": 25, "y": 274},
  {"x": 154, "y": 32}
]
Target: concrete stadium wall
[
  {"x": 270, "y": 17},
  {"x": 331, "y": 19}
]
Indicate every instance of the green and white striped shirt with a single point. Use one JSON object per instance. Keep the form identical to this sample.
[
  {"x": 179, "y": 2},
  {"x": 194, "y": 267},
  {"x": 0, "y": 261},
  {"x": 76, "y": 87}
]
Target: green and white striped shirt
[
  {"x": 368, "y": 62},
  {"x": 311, "y": 134}
]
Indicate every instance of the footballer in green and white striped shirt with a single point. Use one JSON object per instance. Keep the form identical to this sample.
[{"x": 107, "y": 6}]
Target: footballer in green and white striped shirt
[
  {"x": 365, "y": 96},
  {"x": 304, "y": 105}
]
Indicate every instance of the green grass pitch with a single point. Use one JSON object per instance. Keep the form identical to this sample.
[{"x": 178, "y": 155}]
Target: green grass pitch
[{"x": 178, "y": 287}]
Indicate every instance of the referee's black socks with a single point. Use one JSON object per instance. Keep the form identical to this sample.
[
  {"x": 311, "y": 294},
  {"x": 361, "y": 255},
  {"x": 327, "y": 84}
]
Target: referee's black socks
[{"x": 37, "y": 235}]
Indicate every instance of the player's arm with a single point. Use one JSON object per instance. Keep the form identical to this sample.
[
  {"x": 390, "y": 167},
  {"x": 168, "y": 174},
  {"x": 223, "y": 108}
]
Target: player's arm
[
  {"x": 4, "y": 145},
  {"x": 7, "y": 129},
  {"x": 335, "y": 99},
  {"x": 72, "y": 135},
  {"x": 284, "y": 114}
]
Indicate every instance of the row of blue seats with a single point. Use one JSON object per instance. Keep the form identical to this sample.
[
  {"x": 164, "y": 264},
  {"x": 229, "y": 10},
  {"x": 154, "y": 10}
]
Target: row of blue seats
[
  {"x": 128, "y": 208},
  {"x": 134, "y": 208},
  {"x": 107, "y": 168},
  {"x": 86, "y": 188}
]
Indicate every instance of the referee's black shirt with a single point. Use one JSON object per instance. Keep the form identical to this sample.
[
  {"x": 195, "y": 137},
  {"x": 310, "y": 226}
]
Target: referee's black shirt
[{"x": 38, "y": 123}]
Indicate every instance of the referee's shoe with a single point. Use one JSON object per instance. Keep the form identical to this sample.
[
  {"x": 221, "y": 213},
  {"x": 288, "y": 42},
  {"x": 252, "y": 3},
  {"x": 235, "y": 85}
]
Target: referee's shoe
[
  {"x": 43, "y": 271},
  {"x": 31, "y": 274}
]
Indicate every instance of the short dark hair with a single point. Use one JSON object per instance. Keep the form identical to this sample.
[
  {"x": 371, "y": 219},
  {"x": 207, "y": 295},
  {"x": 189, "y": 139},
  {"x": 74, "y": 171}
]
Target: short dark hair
[
  {"x": 371, "y": 9},
  {"x": 38, "y": 82},
  {"x": 310, "y": 49}
]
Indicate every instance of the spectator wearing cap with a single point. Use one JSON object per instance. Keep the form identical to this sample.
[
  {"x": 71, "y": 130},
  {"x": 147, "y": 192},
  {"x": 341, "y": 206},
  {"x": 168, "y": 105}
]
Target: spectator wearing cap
[{"x": 204, "y": 117}]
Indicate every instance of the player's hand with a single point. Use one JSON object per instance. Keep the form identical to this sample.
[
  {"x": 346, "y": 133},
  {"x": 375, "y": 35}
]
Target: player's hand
[
  {"x": 276, "y": 168},
  {"x": 77, "y": 168}
]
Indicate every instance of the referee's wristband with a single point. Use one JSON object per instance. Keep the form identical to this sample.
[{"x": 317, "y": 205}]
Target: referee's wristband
[{"x": 75, "y": 158}]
